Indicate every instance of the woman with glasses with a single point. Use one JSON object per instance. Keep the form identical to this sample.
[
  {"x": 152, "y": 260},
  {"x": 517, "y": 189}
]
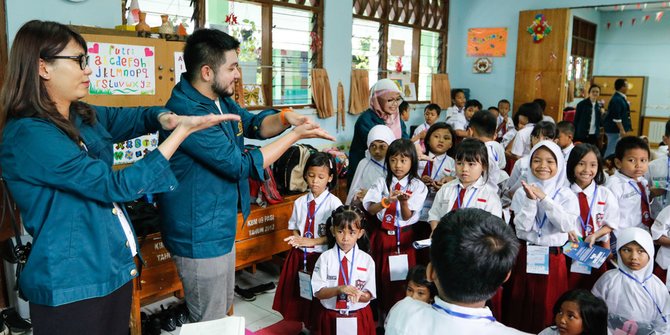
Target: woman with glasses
[
  {"x": 385, "y": 100},
  {"x": 56, "y": 157}
]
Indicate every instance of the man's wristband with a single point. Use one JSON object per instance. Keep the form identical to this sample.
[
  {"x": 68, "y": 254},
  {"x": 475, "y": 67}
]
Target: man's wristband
[{"x": 282, "y": 116}]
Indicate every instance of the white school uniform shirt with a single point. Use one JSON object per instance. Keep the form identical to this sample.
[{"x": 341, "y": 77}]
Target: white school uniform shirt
[
  {"x": 562, "y": 215},
  {"x": 458, "y": 122},
  {"x": 367, "y": 173},
  {"x": 415, "y": 202},
  {"x": 453, "y": 110},
  {"x": 658, "y": 177},
  {"x": 521, "y": 145},
  {"x": 478, "y": 195},
  {"x": 553, "y": 330},
  {"x": 605, "y": 209},
  {"x": 519, "y": 173},
  {"x": 447, "y": 167},
  {"x": 497, "y": 162},
  {"x": 628, "y": 198},
  {"x": 548, "y": 119},
  {"x": 508, "y": 137},
  {"x": 567, "y": 151},
  {"x": 413, "y": 317},
  {"x": 627, "y": 298},
  {"x": 419, "y": 129},
  {"x": 325, "y": 204},
  {"x": 661, "y": 227},
  {"x": 327, "y": 271}
]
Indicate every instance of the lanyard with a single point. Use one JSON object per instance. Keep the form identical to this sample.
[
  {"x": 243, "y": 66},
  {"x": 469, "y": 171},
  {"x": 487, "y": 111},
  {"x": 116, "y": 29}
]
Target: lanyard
[
  {"x": 544, "y": 218},
  {"x": 495, "y": 154},
  {"x": 463, "y": 315},
  {"x": 667, "y": 183},
  {"x": 588, "y": 217},
  {"x": 307, "y": 233},
  {"x": 458, "y": 196},
  {"x": 346, "y": 279},
  {"x": 440, "y": 167},
  {"x": 397, "y": 221},
  {"x": 642, "y": 198},
  {"x": 658, "y": 309},
  {"x": 376, "y": 163}
]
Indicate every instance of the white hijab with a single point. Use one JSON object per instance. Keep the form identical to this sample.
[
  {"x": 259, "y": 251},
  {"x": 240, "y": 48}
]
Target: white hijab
[
  {"x": 553, "y": 184},
  {"x": 369, "y": 173}
]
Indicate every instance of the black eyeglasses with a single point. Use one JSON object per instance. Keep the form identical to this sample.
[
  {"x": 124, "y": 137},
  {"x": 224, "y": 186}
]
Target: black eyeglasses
[{"x": 81, "y": 59}]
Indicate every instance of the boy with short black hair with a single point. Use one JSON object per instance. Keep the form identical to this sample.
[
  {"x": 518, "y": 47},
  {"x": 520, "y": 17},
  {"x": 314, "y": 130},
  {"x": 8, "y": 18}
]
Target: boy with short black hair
[
  {"x": 431, "y": 113},
  {"x": 461, "y": 122},
  {"x": 628, "y": 184},
  {"x": 521, "y": 143},
  {"x": 657, "y": 177},
  {"x": 458, "y": 103},
  {"x": 483, "y": 126},
  {"x": 403, "y": 109},
  {"x": 543, "y": 105},
  {"x": 566, "y": 132},
  {"x": 472, "y": 255}
]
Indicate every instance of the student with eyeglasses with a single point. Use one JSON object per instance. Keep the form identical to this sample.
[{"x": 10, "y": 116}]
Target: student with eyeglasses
[{"x": 56, "y": 158}]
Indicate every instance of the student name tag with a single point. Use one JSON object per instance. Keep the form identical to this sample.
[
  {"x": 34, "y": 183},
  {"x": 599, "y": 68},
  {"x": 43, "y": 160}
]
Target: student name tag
[
  {"x": 579, "y": 267},
  {"x": 305, "y": 281},
  {"x": 398, "y": 266},
  {"x": 537, "y": 259},
  {"x": 667, "y": 279},
  {"x": 347, "y": 326}
]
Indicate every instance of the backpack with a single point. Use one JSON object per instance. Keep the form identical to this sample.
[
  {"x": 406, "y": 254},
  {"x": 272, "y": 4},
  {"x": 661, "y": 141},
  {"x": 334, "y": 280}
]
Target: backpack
[
  {"x": 289, "y": 167},
  {"x": 341, "y": 161},
  {"x": 263, "y": 193}
]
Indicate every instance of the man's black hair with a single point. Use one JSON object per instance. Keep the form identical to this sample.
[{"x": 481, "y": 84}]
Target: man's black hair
[{"x": 206, "y": 47}]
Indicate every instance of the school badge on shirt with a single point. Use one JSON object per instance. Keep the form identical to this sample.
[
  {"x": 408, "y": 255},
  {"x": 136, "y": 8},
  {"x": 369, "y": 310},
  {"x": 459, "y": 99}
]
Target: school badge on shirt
[{"x": 240, "y": 130}]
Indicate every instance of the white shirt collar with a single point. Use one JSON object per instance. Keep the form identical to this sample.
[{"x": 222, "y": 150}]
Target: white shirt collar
[
  {"x": 484, "y": 311},
  {"x": 318, "y": 199},
  {"x": 348, "y": 255},
  {"x": 479, "y": 183},
  {"x": 588, "y": 190},
  {"x": 403, "y": 182},
  {"x": 626, "y": 178}
]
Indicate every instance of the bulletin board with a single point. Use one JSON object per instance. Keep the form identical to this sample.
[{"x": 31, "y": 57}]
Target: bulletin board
[{"x": 487, "y": 42}]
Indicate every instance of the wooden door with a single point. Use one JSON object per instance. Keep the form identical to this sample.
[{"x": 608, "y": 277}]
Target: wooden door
[
  {"x": 636, "y": 96},
  {"x": 541, "y": 67}
]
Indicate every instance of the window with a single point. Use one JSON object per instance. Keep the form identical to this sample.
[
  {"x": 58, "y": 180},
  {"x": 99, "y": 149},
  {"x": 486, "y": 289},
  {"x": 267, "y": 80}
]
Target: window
[
  {"x": 178, "y": 11},
  {"x": 291, "y": 53},
  {"x": 413, "y": 31},
  {"x": 581, "y": 55}
]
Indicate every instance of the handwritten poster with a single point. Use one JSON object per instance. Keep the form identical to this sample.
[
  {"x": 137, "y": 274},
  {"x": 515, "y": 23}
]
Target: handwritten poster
[
  {"x": 133, "y": 150},
  {"x": 179, "y": 65},
  {"x": 122, "y": 69},
  {"x": 487, "y": 42}
]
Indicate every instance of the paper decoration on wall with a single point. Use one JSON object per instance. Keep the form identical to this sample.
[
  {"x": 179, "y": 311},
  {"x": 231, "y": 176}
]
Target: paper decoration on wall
[
  {"x": 409, "y": 91},
  {"x": 405, "y": 84},
  {"x": 539, "y": 29},
  {"x": 482, "y": 65},
  {"x": 397, "y": 48},
  {"x": 179, "y": 66},
  {"x": 253, "y": 95},
  {"x": 122, "y": 69},
  {"x": 487, "y": 42},
  {"x": 659, "y": 16},
  {"x": 316, "y": 42},
  {"x": 135, "y": 149}
]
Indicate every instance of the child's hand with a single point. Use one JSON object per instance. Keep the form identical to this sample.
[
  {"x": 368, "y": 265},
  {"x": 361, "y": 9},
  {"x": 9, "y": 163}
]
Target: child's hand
[
  {"x": 356, "y": 297},
  {"x": 361, "y": 193},
  {"x": 591, "y": 240},
  {"x": 529, "y": 191},
  {"x": 539, "y": 194},
  {"x": 422, "y": 134},
  {"x": 426, "y": 180},
  {"x": 349, "y": 290},
  {"x": 299, "y": 241},
  {"x": 403, "y": 196},
  {"x": 573, "y": 236}
]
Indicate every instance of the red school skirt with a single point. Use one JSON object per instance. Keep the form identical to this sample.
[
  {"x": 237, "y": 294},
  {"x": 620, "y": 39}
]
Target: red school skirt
[
  {"x": 382, "y": 245},
  {"x": 531, "y": 298},
  {"x": 327, "y": 321},
  {"x": 287, "y": 299}
]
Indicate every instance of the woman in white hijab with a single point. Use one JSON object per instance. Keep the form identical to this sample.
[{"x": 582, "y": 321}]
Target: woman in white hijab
[
  {"x": 371, "y": 168},
  {"x": 634, "y": 296},
  {"x": 385, "y": 97},
  {"x": 545, "y": 211}
]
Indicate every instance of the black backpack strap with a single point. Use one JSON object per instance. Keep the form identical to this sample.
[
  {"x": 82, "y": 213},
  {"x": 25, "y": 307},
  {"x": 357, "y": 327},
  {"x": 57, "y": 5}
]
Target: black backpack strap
[{"x": 19, "y": 250}]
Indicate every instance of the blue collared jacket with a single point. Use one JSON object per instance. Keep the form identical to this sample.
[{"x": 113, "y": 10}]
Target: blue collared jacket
[
  {"x": 65, "y": 192},
  {"x": 199, "y": 219}
]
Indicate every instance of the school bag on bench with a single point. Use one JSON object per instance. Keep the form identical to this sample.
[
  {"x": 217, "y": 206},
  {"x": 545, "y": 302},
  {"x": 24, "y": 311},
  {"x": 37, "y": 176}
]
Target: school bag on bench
[
  {"x": 289, "y": 167},
  {"x": 264, "y": 193}
]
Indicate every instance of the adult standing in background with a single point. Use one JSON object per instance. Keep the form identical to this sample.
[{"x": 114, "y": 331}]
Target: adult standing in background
[
  {"x": 384, "y": 101},
  {"x": 588, "y": 118},
  {"x": 617, "y": 120},
  {"x": 199, "y": 219},
  {"x": 56, "y": 158}
]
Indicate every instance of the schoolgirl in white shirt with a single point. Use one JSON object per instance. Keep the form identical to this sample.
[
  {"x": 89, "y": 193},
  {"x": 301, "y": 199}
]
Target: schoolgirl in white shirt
[
  {"x": 308, "y": 223},
  {"x": 344, "y": 278},
  {"x": 545, "y": 211},
  {"x": 658, "y": 178},
  {"x": 470, "y": 189},
  {"x": 660, "y": 232},
  {"x": 396, "y": 201},
  {"x": 442, "y": 168},
  {"x": 372, "y": 166},
  {"x": 598, "y": 209}
]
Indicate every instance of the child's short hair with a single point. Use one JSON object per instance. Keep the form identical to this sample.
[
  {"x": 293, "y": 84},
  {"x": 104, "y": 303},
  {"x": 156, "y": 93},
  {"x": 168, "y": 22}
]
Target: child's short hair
[
  {"x": 433, "y": 107},
  {"x": 494, "y": 108},
  {"x": 566, "y": 127},
  {"x": 473, "y": 150},
  {"x": 503, "y": 101},
  {"x": 576, "y": 155},
  {"x": 404, "y": 106},
  {"x": 455, "y": 92},
  {"x": 417, "y": 274},
  {"x": 544, "y": 128},
  {"x": 348, "y": 217},
  {"x": 593, "y": 310},
  {"x": 541, "y": 102},
  {"x": 532, "y": 111},
  {"x": 472, "y": 252},
  {"x": 667, "y": 129},
  {"x": 484, "y": 122},
  {"x": 322, "y": 159},
  {"x": 473, "y": 103},
  {"x": 435, "y": 127},
  {"x": 629, "y": 143},
  {"x": 404, "y": 147}
]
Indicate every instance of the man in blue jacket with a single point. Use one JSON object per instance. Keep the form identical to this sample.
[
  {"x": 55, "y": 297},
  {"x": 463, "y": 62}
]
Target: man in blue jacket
[
  {"x": 617, "y": 121},
  {"x": 199, "y": 219}
]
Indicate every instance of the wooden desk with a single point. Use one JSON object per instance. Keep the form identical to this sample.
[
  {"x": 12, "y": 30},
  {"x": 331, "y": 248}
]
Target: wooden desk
[{"x": 257, "y": 240}]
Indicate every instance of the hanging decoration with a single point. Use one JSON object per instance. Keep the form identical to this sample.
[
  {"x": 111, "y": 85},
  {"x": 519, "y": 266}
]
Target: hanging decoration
[
  {"x": 659, "y": 16},
  {"x": 539, "y": 29},
  {"x": 632, "y": 21},
  {"x": 608, "y": 25},
  {"x": 231, "y": 19},
  {"x": 620, "y": 24},
  {"x": 316, "y": 42},
  {"x": 646, "y": 18},
  {"x": 482, "y": 65},
  {"x": 398, "y": 65}
]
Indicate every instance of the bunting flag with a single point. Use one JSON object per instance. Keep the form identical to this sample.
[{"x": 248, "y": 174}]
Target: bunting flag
[
  {"x": 638, "y": 6},
  {"x": 608, "y": 25},
  {"x": 646, "y": 18},
  {"x": 620, "y": 24},
  {"x": 632, "y": 21},
  {"x": 659, "y": 16}
]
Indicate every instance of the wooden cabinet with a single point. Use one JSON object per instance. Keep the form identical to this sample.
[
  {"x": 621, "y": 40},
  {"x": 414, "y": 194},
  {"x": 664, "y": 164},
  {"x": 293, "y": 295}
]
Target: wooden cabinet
[{"x": 637, "y": 88}]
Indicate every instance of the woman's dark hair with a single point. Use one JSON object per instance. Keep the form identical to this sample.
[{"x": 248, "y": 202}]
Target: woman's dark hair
[
  {"x": 576, "y": 155},
  {"x": 474, "y": 150},
  {"x": 594, "y": 86},
  {"x": 417, "y": 274},
  {"x": 325, "y": 160},
  {"x": 25, "y": 93},
  {"x": 593, "y": 310},
  {"x": 348, "y": 217},
  {"x": 403, "y": 147},
  {"x": 435, "y": 127}
]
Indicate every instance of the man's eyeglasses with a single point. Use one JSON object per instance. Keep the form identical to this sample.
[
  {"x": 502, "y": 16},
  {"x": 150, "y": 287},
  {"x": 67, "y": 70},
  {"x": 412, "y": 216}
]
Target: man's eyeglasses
[{"x": 81, "y": 59}]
